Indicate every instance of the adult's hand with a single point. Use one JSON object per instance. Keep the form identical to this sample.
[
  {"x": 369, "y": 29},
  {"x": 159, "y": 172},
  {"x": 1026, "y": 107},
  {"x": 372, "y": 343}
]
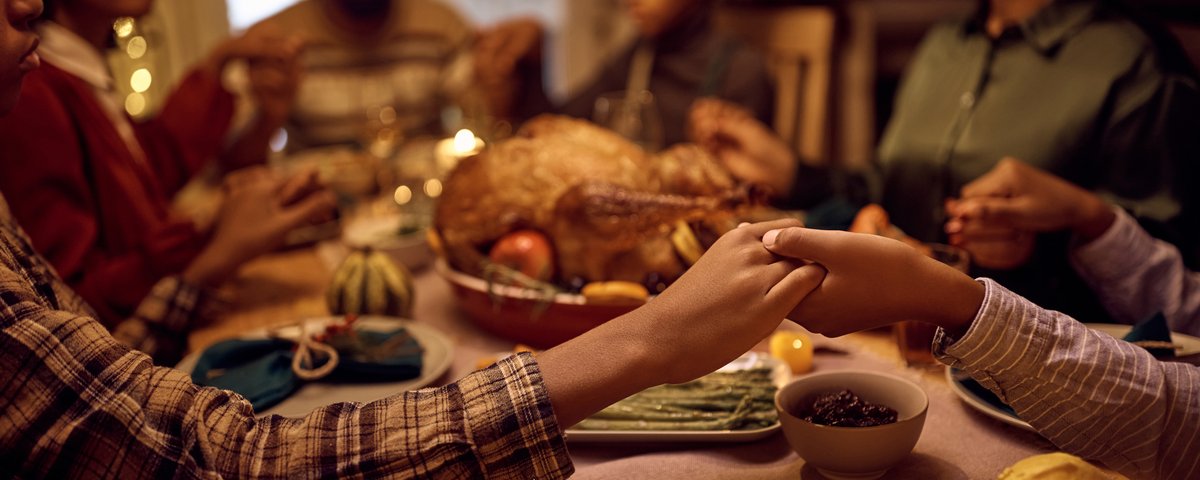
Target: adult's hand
[
  {"x": 874, "y": 281},
  {"x": 991, "y": 245},
  {"x": 263, "y": 43},
  {"x": 1018, "y": 196},
  {"x": 731, "y": 299},
  {"x": 498, "y": 50},
  {"x": 258, "y": 210},
  {"x": 497, "y": 54},
  {"x": 273, "y": 74},
  {"x": 750, "y": 150}
]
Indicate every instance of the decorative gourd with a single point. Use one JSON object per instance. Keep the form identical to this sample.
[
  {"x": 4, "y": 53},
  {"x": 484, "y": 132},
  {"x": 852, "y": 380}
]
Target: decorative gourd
[{"x": 369, "y": 283}]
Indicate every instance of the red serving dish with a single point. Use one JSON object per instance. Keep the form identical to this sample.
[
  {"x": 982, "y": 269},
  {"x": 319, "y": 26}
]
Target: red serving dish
[{"x": 524, "y": 315}]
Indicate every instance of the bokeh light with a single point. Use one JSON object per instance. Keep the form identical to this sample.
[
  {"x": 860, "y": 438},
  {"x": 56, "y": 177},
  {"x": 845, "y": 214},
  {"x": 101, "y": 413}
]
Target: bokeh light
[
  {"x": 141, "y": 80},
  {"x": 135, "y": 104},
  {"x": 136, "y": 47}
]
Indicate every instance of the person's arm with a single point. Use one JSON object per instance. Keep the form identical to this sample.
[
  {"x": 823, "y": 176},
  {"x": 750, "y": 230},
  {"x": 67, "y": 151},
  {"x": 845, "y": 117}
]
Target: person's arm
[
  {"x": 192, "y": 126},
  {"x": 46, "y": 176},
  {"x": 507, "y": 60},
  {"x": 1145, "y": 153},
  {"x": 1133, "y": 274},
  {"x": 65, "y": 378},
  {"x": 1091, "y": 394},
  {"x": 752, "y": 152},
  {"x": 188, "y": 131},
  {"x": 1137, "y": 276},
  {"x": 113, "y": 411},
  {"x": 273, "y": 70}
]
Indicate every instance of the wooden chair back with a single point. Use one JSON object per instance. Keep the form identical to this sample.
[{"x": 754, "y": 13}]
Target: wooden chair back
[{"x": 799, "y": 45}]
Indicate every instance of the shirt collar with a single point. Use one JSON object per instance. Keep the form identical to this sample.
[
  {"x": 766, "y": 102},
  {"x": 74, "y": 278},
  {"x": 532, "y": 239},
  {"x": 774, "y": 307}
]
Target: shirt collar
[
  {"x": 1047, "y": 29},
  {"x": 73, "y": 54}
]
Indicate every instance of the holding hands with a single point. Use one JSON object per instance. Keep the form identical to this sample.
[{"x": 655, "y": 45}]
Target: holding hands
[
  {"x": 1017, "y": 196},
  {"x": 734, "y": 296},
  {"x": 750, "y": 150},
  {"x": 259, "y": 209},
  {"x": 273, "y": 75},
  {"x": 873, "y": 281},
  {"x": 498, "y": 53},
  {"x": 273, "y": 64},
  {"x": 992, "y": 244}
]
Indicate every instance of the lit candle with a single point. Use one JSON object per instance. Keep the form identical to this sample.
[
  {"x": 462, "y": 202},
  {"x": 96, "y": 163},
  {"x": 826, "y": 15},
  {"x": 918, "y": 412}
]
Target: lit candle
[{"x": 452, "y": 150}]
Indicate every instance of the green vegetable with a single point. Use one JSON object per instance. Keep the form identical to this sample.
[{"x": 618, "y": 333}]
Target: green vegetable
[{"x": 739, "y": 400}]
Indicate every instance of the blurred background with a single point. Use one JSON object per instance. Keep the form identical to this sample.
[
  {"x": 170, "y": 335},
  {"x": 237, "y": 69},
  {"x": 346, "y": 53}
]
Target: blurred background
[{"x": 871, "y": 42}]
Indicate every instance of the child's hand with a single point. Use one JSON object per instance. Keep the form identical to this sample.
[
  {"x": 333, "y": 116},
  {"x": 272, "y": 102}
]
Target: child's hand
[
  {"x": 732, "y": 298},
  {"x": 873, "y": 281}
]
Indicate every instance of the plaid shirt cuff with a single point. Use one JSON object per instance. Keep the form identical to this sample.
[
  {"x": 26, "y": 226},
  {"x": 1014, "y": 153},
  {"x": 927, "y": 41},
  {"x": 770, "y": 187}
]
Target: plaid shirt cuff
[
  {"x": 161, "y": 322},
  {"x": 507, "y": 397}
]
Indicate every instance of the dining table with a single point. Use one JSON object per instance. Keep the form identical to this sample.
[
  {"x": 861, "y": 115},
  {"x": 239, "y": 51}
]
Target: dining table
[{"x": 957, "y": 442}]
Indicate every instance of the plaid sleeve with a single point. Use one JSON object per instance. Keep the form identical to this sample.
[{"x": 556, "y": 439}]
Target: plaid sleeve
[
  {"x": 161, "y": 322},
  {"x": 75, "y": 403},
  {"x": 1091, "y": 394}
]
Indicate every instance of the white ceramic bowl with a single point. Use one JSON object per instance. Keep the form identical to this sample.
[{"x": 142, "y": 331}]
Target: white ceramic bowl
[
  {"x": 853, "y": 452},
  {"x": 381, "y": 233}
]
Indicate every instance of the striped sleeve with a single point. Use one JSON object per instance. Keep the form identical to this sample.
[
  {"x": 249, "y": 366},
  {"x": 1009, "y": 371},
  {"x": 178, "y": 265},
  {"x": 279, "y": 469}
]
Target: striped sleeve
[
  {"x": 1092, "y": 395},
  {"x": 1137, "y": 276}
]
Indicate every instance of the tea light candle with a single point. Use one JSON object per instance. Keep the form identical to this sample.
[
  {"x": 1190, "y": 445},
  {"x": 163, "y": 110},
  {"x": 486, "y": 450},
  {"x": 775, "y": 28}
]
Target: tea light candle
[{"x": 452, "y": 150}]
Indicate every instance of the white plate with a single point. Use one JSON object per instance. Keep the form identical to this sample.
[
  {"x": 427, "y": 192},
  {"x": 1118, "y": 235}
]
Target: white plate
[
  {"x": 380, "y": 232},
  {"x": 962, "y": 383},
  {"x": 780, "y": 374},
  {"x": 438, "y": 356}
]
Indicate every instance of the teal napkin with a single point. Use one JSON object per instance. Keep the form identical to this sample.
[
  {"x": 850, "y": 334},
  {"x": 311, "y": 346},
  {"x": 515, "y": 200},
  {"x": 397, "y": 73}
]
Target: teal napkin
[
  {"x": 261, "y": 370},
  {"x": 1154, "y": 329}
]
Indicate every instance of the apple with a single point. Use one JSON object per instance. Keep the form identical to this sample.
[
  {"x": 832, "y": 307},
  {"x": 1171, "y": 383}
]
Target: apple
[{"x": 526, "y": 251}]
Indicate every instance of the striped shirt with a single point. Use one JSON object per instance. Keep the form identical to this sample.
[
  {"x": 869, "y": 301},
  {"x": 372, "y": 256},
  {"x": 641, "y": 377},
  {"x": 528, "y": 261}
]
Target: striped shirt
[
  {"x": 1092, "y": 395},
  {"x": 402, "y": 76},
  {"x": 75, "y": 403},
  {"x": 1137, "y": 276}
]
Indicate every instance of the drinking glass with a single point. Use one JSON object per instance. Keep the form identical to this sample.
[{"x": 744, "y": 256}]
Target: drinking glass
[
  {"x": 915, "y": 339},
  {"x": 633, "y": 115}
]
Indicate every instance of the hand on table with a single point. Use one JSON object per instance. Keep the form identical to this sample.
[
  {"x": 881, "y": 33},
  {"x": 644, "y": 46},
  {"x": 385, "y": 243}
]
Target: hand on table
[
  {"x": 1017, "y": 196},
  {"x": 258, "y": 211},
  {"x": 873, "y": 281},
  {"x": 750, "y": 150}
]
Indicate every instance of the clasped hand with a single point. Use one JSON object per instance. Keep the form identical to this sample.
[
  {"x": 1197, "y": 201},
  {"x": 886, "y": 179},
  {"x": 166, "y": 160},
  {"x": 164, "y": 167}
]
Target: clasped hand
[{"x": 258, "y": 210}]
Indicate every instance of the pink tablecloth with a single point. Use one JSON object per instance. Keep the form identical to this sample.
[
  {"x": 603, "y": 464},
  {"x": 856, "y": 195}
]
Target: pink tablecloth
[{"x": 957, "y": 442}]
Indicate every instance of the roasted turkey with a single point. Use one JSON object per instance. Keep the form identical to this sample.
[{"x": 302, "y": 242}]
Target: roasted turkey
[{"x": 607, "y": 206}]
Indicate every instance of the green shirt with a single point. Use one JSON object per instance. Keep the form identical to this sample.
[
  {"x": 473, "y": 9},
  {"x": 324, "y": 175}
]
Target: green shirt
[{"x": 1076, "y": 90}]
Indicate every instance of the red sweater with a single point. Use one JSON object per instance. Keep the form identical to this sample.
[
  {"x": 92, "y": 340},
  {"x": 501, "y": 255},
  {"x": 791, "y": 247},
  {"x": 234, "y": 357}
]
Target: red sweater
[{"x": 98, "y": 214}]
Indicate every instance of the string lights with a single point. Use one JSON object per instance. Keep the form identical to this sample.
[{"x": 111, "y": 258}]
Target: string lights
[{"x": 135, "y": 49}]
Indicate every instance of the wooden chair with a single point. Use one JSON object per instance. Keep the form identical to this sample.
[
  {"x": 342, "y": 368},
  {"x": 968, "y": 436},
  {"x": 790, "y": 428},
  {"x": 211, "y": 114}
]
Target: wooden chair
[{"x": 798, "y": 42}]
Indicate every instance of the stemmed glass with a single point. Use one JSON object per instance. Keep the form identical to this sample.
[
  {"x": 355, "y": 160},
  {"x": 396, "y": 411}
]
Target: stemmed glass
[{"x": 633, "y": 115}]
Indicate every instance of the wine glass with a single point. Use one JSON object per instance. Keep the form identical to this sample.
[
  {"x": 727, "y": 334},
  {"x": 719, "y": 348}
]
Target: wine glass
[{"x": 633, "y": 115}]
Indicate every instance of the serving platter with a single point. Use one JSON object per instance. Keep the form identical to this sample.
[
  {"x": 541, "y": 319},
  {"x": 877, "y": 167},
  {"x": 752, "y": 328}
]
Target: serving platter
[
  {"x": 780, "y": 375},
  {"x": 524, "y": 315}
]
